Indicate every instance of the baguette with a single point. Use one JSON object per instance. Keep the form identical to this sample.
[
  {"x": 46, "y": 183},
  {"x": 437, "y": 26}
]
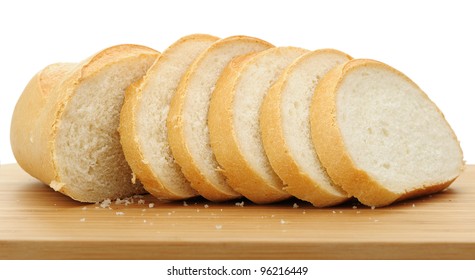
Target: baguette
[
  {"x": 234, "y": 123},
  {"x": 285, "y": 127},
  {"x": 379, "y": 136},
  {"x": 143, "y": 116},
  {"x": 65, "y": 133}
]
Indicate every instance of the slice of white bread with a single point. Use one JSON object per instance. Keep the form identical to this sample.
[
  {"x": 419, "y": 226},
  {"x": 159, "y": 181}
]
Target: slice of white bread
[
  {"x": 187, "y": 119},
  {"x": 70, "y": 140},
  {"x": 285, "y": 128},
  {"x": 379, "y": 136},
  {"x": 234, "y": 123},
  {"x": 143, "y": 130}
]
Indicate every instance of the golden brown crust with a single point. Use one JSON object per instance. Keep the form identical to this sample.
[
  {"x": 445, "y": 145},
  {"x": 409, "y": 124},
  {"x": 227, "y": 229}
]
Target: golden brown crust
[
  {"x": 40, "y": 152},
  {"x": 128, "y": 130},
  {"x": 176, "y": 134},
  {"x": 225, "y": 144},
  {"x": 330, "y": 147},
  {"x": 24, "y": 134},
  {"x": 298, "y": 182}
]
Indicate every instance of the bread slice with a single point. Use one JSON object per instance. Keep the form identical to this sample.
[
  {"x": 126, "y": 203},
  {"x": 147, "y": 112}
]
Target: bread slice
[
  {"x": 70, "y": 141},
  {"x": 379, "y": 136},
  {"x": 187, "y": 119},
  {"x": 234, "y": 123},
  {"x": 143, "y": 117},
  {"x": 285, "y": 128}
]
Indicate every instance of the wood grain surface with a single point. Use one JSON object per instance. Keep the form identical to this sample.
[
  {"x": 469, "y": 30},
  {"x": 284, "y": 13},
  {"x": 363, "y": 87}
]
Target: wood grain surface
[{"x": 39, "y": 223}]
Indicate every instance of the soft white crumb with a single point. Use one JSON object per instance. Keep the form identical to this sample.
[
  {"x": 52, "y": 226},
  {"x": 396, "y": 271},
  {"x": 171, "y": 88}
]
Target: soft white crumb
[
  {"x": 143, "y": 210},
  {"x": 206, "y": 205},
  {"x": 106, "y": 203},
  {"x": 334, "y": 212},
  {"x": 354, "y": 207},
  {"x": 151, "y": 205},
  {"x": 413, "y": 205},
  {"x": 119, "y": 213},
  {"x": 141, "y": 201},
  {"x": 295, "y": 205},
  {"x": 144, "y": 221},
  {"x": 84, "y": 208},
  {"x": 169, "y": 213},
  {"x": 82, "y": 219},
  {"x": 282, "y": 221},
  {"x": 185, "y": 204},
  {"x": 304, "y": 212},
  {"x": 341, "y": 212},
  {"x": 373, "y": 207},
  {"x": 357, "y": 212},
  {"x": 197, "y": 210},
  {"x": 376, "y": 221},
  {"x": 218, "y": 227}
]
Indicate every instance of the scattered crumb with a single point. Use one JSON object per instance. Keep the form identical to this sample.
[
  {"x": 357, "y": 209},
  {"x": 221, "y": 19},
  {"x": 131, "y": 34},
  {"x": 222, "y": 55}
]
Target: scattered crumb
[
  {"x": 143, "y": 210},
  {"x": 133, "y": 179},
  {"x": 84, "y": 208},
  {"x": 376, "y": 221},
  {"x": 82, "y": 219},
  {"x": 373, "y": 207},
  {"x": 341, "y": 212},
  {"x": 137, "y": 196},
  {"x": 169, "y": 213},
  {"x": 141, "y": 201},
  {"x": 144, "y": 221},
  {"x": 126, "y": 201},
  {"x": 151, "y": 205},
  {"x": 282, "y": 221},
  {"x": 106, "y": 203},
  {"x": 185, "y": 204},
  {"x": 218, "y": 227},
  {"x": 295, "y": 205},
  {"x": 120, "y": 213},
  {"x": 413, "y": 205},
  {"x": 240, "y": 204},
  {"x": 221, "y": 210},
  {"x": 357, "y": 212},
  {"x": 334, "y": 212},
  {"x": 97, "y": 207},
  {"x": 206, "y": 205},
  {"x": 304, "y": 212},
  {"x": 354, "y": 207},
  {"x": 197, "y": 210}
]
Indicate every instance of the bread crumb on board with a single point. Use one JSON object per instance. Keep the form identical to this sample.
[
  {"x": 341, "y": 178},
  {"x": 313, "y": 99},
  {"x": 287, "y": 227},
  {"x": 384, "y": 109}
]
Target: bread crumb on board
[
  {"x": 82, "y": 219},
  {"x": 218, "y": 227},
  {"x": 282, "y": 221},
  {"x": 240, "y": 204},
  {"x": 295, "y": 205},
  {"x": 151, "y": 205},
  {"x": 185, "y": 204},
  {"x": 120, "y": 213},
  {"x": 106, "y": 203}
]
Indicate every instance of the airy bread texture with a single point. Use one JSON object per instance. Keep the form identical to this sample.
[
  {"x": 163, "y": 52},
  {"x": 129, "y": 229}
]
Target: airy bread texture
[
  {"x": 73, "y": 144},
  {"x": 285, "y": 128},
  {"x": 143, "y": 128},
  {"x": 188, "y": 116},
  {"x": 379, "y": 136},
  {"x": 234, "y": 123}
]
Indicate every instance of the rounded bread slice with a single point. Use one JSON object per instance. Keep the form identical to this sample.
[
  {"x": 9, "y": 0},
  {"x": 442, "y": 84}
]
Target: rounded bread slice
[
  {"x": 73, "y": 142},
  {"x": 187, "y": 119},
  {"x": 234, "y": 123},
  {"x": 285, "y": 128},
  {"x": 379, "y": 136},
  {"x": 143, "y": 131}
]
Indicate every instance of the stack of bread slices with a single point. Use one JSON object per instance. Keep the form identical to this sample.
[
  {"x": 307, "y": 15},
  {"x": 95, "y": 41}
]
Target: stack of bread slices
[{"x": 231, "y": 118}]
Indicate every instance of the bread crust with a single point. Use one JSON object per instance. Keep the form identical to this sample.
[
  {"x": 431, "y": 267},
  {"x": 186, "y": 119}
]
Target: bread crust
[
  {"x": 298, "y": 183},
  {"x": 330, "y": 147},
  {"x": 38, "y": 155},
  {"x": 128, "y": 128},
  {"x": 177, "y": 136}
]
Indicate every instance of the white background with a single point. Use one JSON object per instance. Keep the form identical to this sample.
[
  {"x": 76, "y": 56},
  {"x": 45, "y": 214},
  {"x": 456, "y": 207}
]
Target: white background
[{"x": 430, "y": 41}]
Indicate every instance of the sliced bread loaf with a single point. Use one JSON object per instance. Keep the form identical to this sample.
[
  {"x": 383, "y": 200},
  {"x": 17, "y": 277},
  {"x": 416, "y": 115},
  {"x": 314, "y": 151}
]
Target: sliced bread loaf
[
  {"x": 285, "y": 128},
  {"x": 187, "y": 119},
  {"x": 379, "y": 136},
  {"x": 70, "y": 140},
  {"x": 143, "y": 131},
  {"x": 234, "y": 123}
]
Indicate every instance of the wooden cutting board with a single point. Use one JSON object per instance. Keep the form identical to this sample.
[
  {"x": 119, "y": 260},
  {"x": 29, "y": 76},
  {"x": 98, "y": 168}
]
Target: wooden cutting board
[{"x": 38, "y": 223}]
